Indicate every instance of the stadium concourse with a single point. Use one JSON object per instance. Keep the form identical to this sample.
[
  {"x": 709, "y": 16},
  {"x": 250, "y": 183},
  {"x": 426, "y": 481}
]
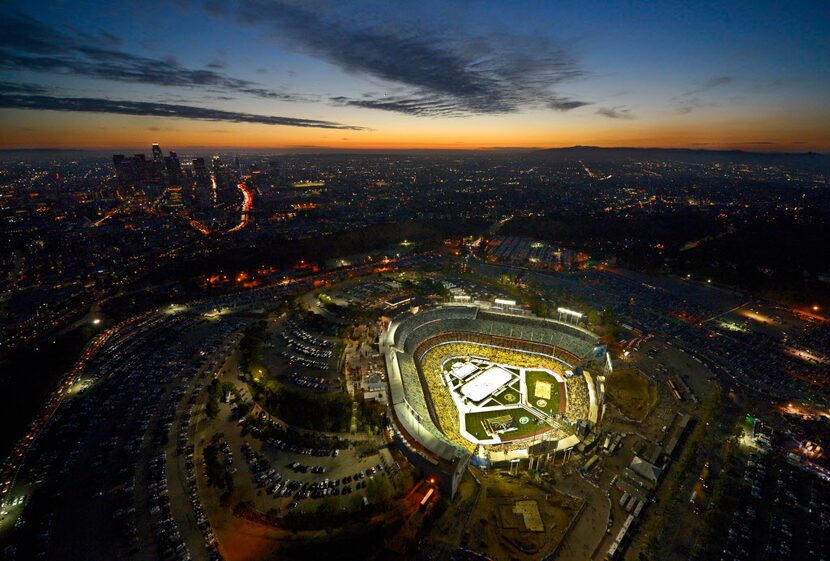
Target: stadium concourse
[{"x": 481, "y": 385}]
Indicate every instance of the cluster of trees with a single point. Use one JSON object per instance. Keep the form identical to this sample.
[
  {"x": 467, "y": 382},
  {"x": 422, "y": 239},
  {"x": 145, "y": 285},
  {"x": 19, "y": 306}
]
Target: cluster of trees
[
  {"x": 426, "y": 286},
  {"x": 672, "y": 487},
  {"x": 324, "y": 412},
  {"x": 321, "y": 412},
  {"x": 544, "y": 303},
  {"x": 372, "y": 417},
  {"x": 216, "y": 392},
  {"x": 250, "y": 346},
  {"x": 722, "y": 502},
  {"x": 348, "y": 311},
  {"x": 314, "y": 322},
  {"x": 217, "y": 471}
]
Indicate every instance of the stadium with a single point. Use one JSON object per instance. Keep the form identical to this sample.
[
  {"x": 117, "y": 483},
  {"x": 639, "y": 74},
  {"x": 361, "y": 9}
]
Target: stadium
[{"x": 482, "y": 385}]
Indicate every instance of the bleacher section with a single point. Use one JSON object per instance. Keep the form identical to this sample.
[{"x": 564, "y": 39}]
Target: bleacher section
[{"x": 419, "y": 327}]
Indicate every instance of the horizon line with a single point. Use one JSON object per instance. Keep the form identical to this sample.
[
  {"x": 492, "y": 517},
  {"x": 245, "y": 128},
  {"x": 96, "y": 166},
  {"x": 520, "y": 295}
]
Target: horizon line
[{"x": 321, "y": 148}]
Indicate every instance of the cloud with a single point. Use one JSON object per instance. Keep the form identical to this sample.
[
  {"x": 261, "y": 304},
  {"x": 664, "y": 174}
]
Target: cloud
[
  {"x": 618, "y": 112},
  {"x": 417, "y": 104},
  {"x": 12, "y": 100},
  {"x": 686, "y": 106},
  {"x": 565, "y": 104},
  {"x": 691, "y": 100},
  {"x": 708, "y": 85},
  {"x": 30, "y": 45},
  {"x": 21, "y": 88},
  {"x": 441, "y": 75}
]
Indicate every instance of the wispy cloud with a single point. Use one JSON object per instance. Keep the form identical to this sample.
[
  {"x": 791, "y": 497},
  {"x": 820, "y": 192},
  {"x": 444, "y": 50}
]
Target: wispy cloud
[
  {"x": 441, "y": 75},
  {"x": 618, "y": 112},
  {"x": 21, "y": 88},
  {"x": 708, "y": 85},
  {"x": 565, "y": 104},
  {"x": 688, "y": 105},
  {"x": 691, "y": 100},
  {"x": 28, "y": 44},
  {"x": 16, "y": 100}
]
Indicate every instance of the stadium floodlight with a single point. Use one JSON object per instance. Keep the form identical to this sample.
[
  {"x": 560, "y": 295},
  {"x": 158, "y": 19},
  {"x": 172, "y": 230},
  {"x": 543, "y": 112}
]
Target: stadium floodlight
[
  {"x": 566, "y": 311},
  {"x": 503, "y": 302}
]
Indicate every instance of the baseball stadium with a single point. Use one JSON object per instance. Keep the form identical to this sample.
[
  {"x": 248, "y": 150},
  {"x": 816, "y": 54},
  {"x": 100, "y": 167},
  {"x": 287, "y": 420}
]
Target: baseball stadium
[{"x": 471, "y": 384}]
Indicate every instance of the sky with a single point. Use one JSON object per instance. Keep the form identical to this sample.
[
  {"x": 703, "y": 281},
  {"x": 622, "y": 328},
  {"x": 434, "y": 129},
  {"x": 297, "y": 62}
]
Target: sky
[{"x": 267, "y": 74}]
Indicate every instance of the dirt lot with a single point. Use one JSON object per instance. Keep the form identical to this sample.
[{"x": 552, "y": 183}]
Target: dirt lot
[
  {"x": 518, "y": 521},
  {"x": 633, "y": 394}
]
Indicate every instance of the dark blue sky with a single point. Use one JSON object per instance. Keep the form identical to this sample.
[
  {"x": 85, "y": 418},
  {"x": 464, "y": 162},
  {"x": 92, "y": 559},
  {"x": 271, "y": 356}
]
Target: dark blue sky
[{"x": 438, "y": 74}]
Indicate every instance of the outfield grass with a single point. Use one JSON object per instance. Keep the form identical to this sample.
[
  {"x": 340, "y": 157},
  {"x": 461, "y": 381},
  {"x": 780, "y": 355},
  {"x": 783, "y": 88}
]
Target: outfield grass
[
  {"x": 533, "y": 376},
  {"x": 508, "y": 397},
  {"x": 474, "y": 426}
]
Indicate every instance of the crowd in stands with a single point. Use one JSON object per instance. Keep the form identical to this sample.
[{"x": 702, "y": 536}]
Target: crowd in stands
[
  {"x": 566, "y": 339},
  {"x": 433, "y": 356},
  {"x": 442, "y": 402},
  {"x": 415, "y": 395},
  {"x": 578, "y": 399}
]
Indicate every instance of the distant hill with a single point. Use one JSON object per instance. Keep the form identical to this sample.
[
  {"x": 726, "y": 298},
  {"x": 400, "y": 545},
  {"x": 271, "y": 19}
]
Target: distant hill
[
  {"x": 811, "y": 160},
  {"x": 38, "y": 150},
  {"x": 40, "y": 154}
]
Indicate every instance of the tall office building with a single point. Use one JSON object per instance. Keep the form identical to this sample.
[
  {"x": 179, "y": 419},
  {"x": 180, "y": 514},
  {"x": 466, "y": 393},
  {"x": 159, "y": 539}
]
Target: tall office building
[
  {"x": 124, "y": 171},
  {"x": 158, "y": 157},
  {"x": 173, "y": 168},
  {"x": 202, "y": 189},
  {"x": 200, "y": 169}
]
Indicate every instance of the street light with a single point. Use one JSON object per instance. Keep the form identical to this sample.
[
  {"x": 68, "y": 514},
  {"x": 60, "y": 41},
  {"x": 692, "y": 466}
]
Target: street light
[{"x": 96, "y": 321}]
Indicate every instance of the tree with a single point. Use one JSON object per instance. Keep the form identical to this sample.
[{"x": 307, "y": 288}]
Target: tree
[
  {"x": 356, "y": 502},
  {"x": 379, "y": 491},
  {"x": 330, "y": 505}
]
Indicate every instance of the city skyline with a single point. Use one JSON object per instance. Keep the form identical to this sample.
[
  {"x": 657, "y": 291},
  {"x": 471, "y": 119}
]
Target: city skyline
[{"x": 288, "y": 76}]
